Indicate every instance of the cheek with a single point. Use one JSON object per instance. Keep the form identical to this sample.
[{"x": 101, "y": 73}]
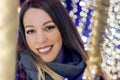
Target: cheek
[
  {"x": 57, "y": 38},
  {"x": 30, "y": 41}
]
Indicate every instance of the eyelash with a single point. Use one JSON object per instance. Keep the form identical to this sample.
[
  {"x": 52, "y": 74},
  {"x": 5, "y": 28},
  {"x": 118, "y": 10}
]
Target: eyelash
[
  {"x": 30, "y": 31},
  {"x": 48, "y": 28}
]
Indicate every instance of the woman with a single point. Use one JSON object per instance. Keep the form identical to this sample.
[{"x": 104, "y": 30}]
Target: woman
[{"x": 50, "y": 47}]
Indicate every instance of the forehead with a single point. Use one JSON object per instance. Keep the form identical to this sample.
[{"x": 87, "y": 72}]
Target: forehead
[{"x": 36, "y": 15}]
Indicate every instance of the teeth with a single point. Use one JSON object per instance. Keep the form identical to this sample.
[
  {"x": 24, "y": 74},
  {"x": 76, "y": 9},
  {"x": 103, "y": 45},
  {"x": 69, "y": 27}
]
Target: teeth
[{"x": 44, "y": 50}]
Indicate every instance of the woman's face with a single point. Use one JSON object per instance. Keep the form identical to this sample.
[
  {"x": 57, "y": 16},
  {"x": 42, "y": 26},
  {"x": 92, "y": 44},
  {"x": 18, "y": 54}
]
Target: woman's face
[{"x": 42, "y": 35}]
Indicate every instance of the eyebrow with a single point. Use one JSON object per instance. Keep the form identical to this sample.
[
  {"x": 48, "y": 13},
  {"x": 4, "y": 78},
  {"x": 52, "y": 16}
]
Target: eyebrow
[
  {"x": 43, "y": 24},
  {"x": 47, "y": 22},
  {"x": 29, "y": 26}
]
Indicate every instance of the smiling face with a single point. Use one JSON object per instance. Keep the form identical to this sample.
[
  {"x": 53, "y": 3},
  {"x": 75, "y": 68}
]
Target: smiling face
[{"x": 42, "y": 35}]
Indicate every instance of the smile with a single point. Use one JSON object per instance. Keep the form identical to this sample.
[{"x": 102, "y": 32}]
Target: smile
[{"x": 45, "y": 49}]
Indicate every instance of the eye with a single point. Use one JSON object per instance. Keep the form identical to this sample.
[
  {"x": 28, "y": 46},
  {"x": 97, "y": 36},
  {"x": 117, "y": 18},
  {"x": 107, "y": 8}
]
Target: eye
[
  {"x": 30, "y": 31},
  {"x": 48, "y": 28}
]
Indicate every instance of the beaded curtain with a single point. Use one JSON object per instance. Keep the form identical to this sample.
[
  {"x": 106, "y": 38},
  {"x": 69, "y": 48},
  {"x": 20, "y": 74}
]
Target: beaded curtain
[{"x": 81, "y": 12}]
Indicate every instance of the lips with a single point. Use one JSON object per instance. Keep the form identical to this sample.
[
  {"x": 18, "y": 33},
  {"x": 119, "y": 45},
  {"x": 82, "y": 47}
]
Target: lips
[{"x": 45, "y": 49}]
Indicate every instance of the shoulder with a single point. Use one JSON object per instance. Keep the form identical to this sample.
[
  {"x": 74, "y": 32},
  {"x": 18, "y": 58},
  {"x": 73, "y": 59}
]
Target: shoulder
[
  {"x": 20, "y": 72},
  {"x": 25, "y": 59},
  {"x": 26, "y": 64}
]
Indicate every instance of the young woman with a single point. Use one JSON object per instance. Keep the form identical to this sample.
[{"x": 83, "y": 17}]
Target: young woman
[{"x": 50, "y": 47}]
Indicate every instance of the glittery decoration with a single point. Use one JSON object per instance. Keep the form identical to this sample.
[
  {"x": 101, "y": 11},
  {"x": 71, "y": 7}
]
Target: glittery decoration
[
  {"x": 111, "y": 52},
  {"x": 100, "y": 15},
  {"x": 111, "y": 45}
]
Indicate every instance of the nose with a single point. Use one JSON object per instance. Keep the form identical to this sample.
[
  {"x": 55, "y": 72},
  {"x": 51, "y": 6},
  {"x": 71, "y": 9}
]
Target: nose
[{"x": 41, "y": 37}]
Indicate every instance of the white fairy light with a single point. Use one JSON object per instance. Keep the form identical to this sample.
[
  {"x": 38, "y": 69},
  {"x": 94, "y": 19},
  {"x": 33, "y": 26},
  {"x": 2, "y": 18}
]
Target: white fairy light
[{"x": 111, "y": 48}]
